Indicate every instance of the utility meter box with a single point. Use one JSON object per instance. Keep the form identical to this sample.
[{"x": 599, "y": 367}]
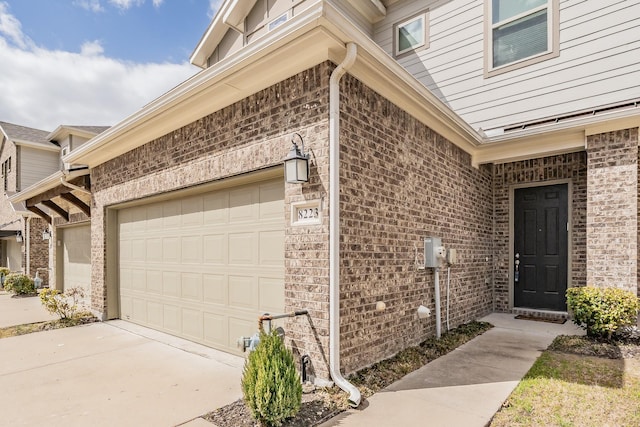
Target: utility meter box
[{"x": 432, "y": 252}]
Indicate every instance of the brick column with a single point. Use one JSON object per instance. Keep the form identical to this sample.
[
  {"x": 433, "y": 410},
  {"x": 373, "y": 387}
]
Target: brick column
[{"x": 612, "y": 209}]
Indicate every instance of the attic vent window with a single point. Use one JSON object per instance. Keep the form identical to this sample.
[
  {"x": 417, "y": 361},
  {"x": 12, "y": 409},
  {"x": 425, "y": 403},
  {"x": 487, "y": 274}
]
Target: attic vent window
[
  {"x": 279, "y": 21},
  {"x": 411, "y": 35}
]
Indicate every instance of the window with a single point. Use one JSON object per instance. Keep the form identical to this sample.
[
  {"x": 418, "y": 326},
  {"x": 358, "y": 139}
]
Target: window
[
  {"x": 411, "y": 35},
  {"x": 279, "y": 21},
  {"x": 520, "y": 31},
  {"x": 6, "y": 168}
]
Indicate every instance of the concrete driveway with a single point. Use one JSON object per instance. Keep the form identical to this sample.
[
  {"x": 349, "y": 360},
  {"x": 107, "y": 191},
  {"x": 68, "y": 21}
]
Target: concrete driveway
[
  {"x": 21, "y": 310},
  {"x": 112, "y": 373}
]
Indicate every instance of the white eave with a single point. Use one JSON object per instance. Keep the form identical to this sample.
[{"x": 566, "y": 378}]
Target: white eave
[
  {"x": 37, "y": 145},
  {"x": 48, "y": 183},
  {"x": 63, "y": 131}
]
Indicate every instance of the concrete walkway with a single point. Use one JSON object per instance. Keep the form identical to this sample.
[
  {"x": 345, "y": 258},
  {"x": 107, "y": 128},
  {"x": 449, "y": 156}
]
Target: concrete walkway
[
  {"x": 112, "y": 374},
  {"x": 21, "y": 310},
  {"x": 465, "y": 387}
]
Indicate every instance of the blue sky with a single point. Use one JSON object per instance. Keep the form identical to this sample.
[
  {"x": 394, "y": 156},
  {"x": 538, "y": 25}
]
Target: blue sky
[{"x": 93, "y": 61}]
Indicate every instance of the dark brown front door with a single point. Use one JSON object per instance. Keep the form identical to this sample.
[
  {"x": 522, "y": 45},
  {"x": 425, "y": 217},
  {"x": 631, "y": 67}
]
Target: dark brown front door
[{"x": 540, "y": 247}]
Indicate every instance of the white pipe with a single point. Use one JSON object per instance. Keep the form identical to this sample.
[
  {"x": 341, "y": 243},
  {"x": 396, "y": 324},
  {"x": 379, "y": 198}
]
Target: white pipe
[
  {"x": 74, "y": 187},
  {"x": 448, "y": 280},
  {"x": 334, "y": 226},
  {"x": 27, "y": 245},
  {"x": 436, "y": 285}
]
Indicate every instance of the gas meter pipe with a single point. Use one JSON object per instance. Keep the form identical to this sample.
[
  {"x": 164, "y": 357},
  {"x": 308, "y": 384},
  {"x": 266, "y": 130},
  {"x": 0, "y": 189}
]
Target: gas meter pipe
[{"x": 280, "y": 316}]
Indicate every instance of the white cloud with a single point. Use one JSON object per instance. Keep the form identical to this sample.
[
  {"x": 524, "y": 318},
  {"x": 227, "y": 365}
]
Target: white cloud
[
  {"x": 214, "y": 5},
  {"x": 157, "y": 3},
  {"x": 91, "y": 48},
  {"x": 46, "y": 88},
  {"x": 126, "y": 4},
  {"x": 90, "y": 5},
  {"x": 12, "y": 28}
]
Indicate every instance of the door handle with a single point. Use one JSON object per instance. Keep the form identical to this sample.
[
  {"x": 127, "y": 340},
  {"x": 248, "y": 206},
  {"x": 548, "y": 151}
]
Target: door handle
[{"x": 516, "y": 269}]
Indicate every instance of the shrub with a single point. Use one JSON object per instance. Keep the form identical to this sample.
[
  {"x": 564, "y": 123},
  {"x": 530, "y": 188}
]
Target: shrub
[
  {"x": 270, "y": 384},
  {"x": 64, "y": 304},
  {"x": 19, "y": 284},
  {"x": 603, "y": 312},
  {"x": 3, "y": 273}
]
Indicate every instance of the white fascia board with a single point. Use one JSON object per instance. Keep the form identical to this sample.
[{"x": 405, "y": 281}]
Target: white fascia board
[
  {"x": 37, "y": 145},
  {"x": 63, "y": 131},
  {"x": 373, "y": 10},
  {"x": 236, "y": 13},
  {"x": 46, "y": 184},
  {"x": 530, "y": 147},
  {"x": 211, "y": 37}
]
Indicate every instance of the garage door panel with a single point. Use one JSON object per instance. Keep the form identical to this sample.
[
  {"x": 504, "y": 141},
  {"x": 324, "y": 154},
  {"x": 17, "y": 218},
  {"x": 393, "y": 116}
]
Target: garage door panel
[
  {"x": 271, "y": 204},
  {"x": 191, "y": 286},
  {"x": 214, "y": 289},
  {"x": 155, "y": 314},
  {"x": 243, "y": 205},
  {"x": 154, "y": 217},
  {"x": 216, "y": 328},
  {"x": 243, "y": 292},
  {"x": 271, "y": 295},
  {"x": 171, "y": 283},
  {"x": 191, "y": 211},
  {"x": 138, "y": 279},
  {"x": 191, "y": 249},
  {"x": 171, "y": 211},
  {"x": 171, "y": 249},
  {"x": 215, "y": 248},
  {"x": 216, "y": 208},
  {"x": 154, "y": 250},
  {"x": 241, "y": 248},
  {"x": 154, "y": 281},
  {"x": 192, "y": 325},
  {"x": 271, "y": 247},
  {"x": 212, "y": 267},
  {"x": 138, "y": 249},
  {"x": 171, "y": 317},
  {"x": 139, "y": 309}
]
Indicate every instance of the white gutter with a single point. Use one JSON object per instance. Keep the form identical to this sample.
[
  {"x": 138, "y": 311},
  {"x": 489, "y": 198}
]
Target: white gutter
[
  {"x": 334, "y": 226},
  {"x": 27, "y": 245}
]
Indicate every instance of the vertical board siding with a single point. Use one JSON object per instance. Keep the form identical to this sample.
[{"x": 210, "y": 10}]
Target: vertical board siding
[{"x": 36, "y": 164}]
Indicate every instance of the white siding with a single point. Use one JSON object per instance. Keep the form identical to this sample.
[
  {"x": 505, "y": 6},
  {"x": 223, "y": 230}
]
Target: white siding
[
  {"x": 599, "y": 61},
  {"x": 36, "y": 165}
]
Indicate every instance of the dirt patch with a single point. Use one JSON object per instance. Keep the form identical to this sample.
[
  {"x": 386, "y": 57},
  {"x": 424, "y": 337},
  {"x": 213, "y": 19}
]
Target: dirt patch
[
  {"x": 322, "y": 404},
  {"x": 13, "y": 331}
]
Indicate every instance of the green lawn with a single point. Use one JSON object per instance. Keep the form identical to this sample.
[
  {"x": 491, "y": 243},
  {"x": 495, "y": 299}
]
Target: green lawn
[{"x": 567, "y": 389}]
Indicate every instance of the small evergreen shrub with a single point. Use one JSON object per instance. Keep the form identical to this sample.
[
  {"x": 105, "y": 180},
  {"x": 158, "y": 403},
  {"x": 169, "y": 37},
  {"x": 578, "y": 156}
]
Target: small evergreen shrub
[
  {"x": 270, "y": 384},
  {"x": 64, "y": 304},
  {"x": 4, "y": 271},
  {"x": 19, "y": 284},
  {"x": 603, "y": 312}
]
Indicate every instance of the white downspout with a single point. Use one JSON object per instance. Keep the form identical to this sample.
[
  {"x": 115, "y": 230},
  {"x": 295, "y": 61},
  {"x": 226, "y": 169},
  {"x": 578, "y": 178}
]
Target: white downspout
[
  {"x": 27, "y": 245},
  {"x": 334, "y": 226}
]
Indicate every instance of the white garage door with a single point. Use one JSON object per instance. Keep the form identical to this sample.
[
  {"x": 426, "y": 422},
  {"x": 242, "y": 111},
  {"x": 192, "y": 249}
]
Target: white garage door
[
  {"x": 204, "y": 267},
  {"x": 76, "y": 259}
]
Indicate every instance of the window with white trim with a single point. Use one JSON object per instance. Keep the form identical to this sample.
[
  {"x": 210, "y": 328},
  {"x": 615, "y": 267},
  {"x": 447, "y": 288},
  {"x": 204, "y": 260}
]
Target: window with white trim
[
  {"x": 521, "y": 30},
  {"x": 411, "y": 35}
]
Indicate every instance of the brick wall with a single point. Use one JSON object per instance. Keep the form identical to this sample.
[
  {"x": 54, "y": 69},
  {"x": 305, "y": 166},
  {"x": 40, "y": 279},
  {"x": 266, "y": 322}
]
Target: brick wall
[
  {"x": 570, "y": 166},
  {"x": 250, "y": 135},
  {"x": 401, "y": 182},
  {"x": 612, "y": 208},
  {"x": 39, "y": 250}
]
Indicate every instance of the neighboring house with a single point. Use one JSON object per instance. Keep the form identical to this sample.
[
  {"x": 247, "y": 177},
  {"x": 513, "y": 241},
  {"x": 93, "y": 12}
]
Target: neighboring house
[
  {"x": 62, "y": 200},
  {"x": 507, "y": 129},
  {"x": 26, "y": 155}
]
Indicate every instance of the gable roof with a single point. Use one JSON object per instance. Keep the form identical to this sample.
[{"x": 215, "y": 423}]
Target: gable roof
[
  {"x": 63, "y": 131},
  {"x": 18, "y": 134}
]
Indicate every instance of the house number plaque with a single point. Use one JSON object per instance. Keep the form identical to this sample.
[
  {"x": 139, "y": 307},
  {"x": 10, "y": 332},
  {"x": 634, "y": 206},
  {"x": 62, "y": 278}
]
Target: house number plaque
[{"x": 305, "y": 213}]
